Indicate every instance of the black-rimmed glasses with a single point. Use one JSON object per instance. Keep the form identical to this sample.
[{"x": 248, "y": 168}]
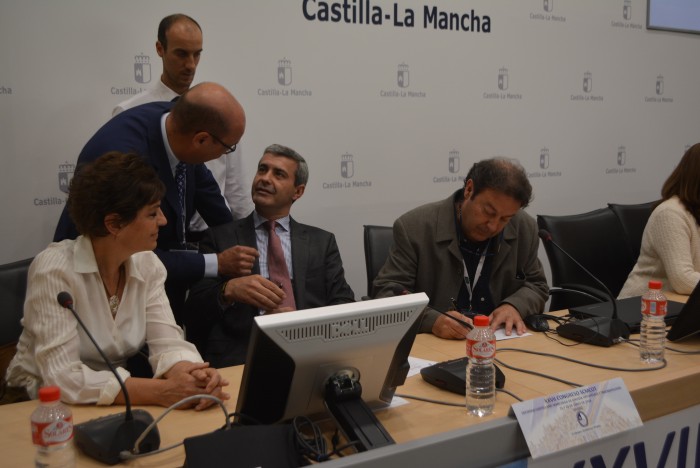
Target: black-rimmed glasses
[{"x": 229, "y": 149}]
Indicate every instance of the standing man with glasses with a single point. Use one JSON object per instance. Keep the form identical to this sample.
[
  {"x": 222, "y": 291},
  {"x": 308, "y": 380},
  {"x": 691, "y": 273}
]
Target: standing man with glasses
[
  {"x": 177, "y": 139},
  {"x": 179, "y": 45},
  {"x": 472, "y": 253}
]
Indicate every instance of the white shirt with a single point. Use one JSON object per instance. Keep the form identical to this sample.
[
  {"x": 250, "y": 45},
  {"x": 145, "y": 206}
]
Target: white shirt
[
  {"x": 227, "y": 170},
  {"x": 670, "y": 252},
  {"x": 54, "y": 350}
]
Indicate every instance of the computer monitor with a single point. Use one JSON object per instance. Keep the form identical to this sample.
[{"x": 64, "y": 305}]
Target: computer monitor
[
  {"x": 293, "y": 356},
  {"x": 687, "y": 323}
]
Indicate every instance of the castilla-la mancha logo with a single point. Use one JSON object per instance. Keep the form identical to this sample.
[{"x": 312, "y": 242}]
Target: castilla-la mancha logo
[
  {"x": 65, "y": 175},
  {"x": 627, "y": 10},
  {"x": 402, "y": 76},
  {"x": 587, "y": 82},
  {"x": 284, "y": 72},
  {"x": 548, "y": 5},
  {"x": 453, "y": 162},
  {"x": 503, "y": 79},
  {"x": 659, "y": 85},
  {"x": 347, "y": 167},
  {"x": 544, "y": 158},
  {"x": 142, "y": 68},
  {"x": 621, "y": 155}
]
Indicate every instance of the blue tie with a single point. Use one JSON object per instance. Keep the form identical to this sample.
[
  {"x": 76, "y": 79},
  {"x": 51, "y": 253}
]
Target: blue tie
[{"x": 180, "y": 181}]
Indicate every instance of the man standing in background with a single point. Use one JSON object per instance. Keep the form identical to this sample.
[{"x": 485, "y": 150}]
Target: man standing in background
[{"x": 179, "y": 44}]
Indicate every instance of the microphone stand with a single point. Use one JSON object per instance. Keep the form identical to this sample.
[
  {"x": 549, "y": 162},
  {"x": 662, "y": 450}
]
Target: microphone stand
[
  {"x": 105, "y": 438},
  {"x": 599, "y": 331}
]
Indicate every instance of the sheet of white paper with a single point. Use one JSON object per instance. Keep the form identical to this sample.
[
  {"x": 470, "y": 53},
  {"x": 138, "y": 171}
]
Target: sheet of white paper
[
  {"x": 417, "y": 364},
  {"x": 501, "y": 334}
]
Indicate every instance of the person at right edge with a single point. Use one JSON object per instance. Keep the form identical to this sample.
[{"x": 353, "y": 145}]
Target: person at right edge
[
  {"x": 473, "y": 253},
  {"x": 670, "y": 250}
]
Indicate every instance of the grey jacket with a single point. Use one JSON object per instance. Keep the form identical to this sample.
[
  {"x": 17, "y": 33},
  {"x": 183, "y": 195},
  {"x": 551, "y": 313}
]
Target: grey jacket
[{"x": 426, "y": 258}]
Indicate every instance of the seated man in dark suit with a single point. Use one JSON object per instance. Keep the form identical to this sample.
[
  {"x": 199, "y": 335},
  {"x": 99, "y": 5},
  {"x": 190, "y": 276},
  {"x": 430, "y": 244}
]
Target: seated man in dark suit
[
  {"x": 309, "y": 273},
  {"x": 176, "y": 139}
]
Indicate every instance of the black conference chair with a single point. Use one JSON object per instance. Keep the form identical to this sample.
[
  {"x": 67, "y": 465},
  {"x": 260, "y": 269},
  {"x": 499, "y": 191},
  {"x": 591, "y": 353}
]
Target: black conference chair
[
  {"x": 633, "y": 219},
  {"x": 596, "y": 240},
  {"x": 378, "y": 241},
  {"x": 13, "y": 289}
]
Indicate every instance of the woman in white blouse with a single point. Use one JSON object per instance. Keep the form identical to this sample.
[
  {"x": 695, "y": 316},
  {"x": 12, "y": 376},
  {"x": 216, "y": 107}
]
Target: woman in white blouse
[
  {"x": 117, "y": 286},
  {"x": 670, "y": 249}
]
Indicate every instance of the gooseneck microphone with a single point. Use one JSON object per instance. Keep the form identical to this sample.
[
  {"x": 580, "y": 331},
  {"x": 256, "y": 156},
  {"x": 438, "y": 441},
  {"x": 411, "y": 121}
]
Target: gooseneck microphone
[
  {"x": 599, "y": 331},
  {"x": 105, "y": 438}
]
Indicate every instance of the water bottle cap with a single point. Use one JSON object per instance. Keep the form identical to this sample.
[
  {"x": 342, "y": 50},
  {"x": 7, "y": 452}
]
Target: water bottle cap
[
  {"x": 49, "y": 394},
  {"x": 654, "y": 284},
  {"x": 481, "y": 321}
]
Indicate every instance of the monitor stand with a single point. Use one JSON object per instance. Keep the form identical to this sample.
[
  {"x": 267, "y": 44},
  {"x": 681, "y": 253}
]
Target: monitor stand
[{"x": 356, "y": 420}]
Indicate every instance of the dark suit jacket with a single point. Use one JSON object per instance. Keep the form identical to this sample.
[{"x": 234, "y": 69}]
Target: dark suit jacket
[
  {"x": 222, "y": 334},
  {"x": 138, "y": 130}
]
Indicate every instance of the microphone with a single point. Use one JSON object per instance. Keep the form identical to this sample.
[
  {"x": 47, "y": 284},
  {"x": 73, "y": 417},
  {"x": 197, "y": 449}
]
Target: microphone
[
  {"x": 105, "y": 438},
  {"x": 401, "y": 291},
  {"x": 599, "y": 331}
]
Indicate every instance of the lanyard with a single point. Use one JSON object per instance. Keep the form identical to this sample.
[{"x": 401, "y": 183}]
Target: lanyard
[{"x": 477, "y": 274}]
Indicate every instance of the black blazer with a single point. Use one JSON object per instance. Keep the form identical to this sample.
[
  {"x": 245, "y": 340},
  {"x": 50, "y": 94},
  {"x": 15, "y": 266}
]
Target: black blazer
[{"x": 318, "y": 279}]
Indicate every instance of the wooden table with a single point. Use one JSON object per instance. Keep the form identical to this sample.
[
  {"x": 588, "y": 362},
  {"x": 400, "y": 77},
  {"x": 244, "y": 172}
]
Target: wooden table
[{"x": 655, "y": 393}]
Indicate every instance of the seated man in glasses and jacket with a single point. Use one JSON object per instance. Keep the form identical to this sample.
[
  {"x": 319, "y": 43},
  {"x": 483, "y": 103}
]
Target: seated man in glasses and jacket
[
  {"x": 281, "y": 265},
  {"x": 473, "y": 253}
]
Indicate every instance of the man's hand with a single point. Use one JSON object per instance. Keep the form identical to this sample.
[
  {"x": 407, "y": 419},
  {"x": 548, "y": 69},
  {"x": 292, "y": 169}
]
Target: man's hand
[
  {"x": 445, "y": 327},
  {"x": 255, "y": 290},
  {"x": 509, "y": 317},
  {"x": 237, "y": 261}
]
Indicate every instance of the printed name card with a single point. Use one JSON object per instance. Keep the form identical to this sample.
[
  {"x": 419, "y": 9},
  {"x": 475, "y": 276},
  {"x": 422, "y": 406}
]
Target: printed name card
[{"x": 574, "y": 417}]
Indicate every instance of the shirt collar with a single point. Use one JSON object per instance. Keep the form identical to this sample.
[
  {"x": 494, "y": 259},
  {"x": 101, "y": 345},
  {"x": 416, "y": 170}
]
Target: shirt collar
[
  {"x": 168, "y": 150},
  {"x": 85, "y": 262},
  {"x": 258, "y": 221}
]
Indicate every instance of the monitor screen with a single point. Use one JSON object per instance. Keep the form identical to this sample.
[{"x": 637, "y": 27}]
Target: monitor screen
[
  {"x": 688, "y": 321},
  {"x": 292, "y": 355},
  {"x": 674, "y": 15}
]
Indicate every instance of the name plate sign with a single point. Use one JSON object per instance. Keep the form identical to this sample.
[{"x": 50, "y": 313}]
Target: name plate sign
[{"x": 574, "y": 417}]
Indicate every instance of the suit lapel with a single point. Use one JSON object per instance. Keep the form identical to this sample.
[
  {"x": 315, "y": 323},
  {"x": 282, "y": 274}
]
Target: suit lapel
[
  {"x": 161, "y": 163},
  {"x": 300, "y": 258},
  {"x": 245, "y": 233}
]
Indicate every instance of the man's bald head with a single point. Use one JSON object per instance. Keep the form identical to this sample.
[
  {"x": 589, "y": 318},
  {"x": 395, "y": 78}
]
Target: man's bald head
[{"x": 210, "y": 107}]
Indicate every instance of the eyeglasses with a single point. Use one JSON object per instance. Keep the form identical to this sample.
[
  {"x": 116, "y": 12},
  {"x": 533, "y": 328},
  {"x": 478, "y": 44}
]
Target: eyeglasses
[{"x": 229, "y": 149}]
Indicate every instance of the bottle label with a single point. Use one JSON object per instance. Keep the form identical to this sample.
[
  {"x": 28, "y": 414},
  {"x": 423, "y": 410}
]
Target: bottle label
[
  {"x": 650, "y": 307},
  {"x": 481, "y": 349},
  {"x": 52, "y": 433}
]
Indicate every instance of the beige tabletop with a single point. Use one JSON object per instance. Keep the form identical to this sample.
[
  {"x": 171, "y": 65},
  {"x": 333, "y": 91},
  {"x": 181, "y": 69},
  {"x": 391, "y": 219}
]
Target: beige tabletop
[{"x": 655, "y": 393}]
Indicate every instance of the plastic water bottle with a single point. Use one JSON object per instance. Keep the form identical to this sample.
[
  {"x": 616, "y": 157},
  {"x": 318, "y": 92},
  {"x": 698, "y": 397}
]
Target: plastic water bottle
[
  {"x": 481, "y": 374},
  {"x": 652, "y": 336},
  {"x": 52, "y": 431}
]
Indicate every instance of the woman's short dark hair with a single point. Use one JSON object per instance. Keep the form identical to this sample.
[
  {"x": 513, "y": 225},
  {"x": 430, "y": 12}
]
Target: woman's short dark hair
[
  {"x": 115, "y": 183},
  {"x": 501, "y": 175},
  {"x": 684, "y": 182}
]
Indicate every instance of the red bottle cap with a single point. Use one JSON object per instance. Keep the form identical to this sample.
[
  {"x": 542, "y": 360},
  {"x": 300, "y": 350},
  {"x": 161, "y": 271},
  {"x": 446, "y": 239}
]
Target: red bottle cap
[
  {"x": 481, "y": 321},
  {"x": 654, "y": 284},
  {"x": 49, "y": 394}
]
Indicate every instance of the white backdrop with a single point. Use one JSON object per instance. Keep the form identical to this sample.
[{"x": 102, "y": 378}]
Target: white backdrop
[{"x": 597, "y": 108}]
